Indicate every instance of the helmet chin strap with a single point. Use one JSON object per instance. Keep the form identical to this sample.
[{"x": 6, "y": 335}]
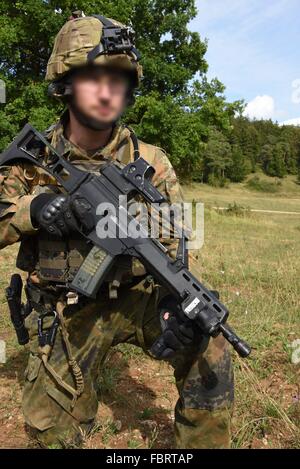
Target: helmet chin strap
[{"x": 90, "y": 122}]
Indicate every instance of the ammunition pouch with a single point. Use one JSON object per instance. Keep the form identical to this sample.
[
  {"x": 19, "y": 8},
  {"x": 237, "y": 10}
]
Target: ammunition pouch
[{"x": 59, "y": 260}]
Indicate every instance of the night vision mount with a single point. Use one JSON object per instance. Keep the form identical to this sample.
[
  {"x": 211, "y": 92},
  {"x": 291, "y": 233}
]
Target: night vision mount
[{"x": 115, "y": 40}]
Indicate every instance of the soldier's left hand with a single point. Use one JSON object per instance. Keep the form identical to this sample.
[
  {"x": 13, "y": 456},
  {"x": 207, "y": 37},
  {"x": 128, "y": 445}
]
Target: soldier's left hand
[{"x": 177, "y": 332}]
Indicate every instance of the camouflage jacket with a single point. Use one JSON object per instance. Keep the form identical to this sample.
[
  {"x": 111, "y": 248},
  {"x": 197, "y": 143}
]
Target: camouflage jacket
[{"x": 21, "y": 183}]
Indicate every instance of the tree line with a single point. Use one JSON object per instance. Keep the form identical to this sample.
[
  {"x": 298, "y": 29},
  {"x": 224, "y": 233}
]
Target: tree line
[
  {"x": 250, "y": 146},
  {"x": 177, "y": 107}
]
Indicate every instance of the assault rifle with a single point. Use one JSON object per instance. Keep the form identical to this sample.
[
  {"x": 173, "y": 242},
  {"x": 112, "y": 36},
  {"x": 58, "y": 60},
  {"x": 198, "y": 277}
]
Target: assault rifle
[{"x": 196, "y": 302}]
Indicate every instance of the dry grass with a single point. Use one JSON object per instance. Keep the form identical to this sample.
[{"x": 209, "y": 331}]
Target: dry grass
[{"x": 255, "y": 263}]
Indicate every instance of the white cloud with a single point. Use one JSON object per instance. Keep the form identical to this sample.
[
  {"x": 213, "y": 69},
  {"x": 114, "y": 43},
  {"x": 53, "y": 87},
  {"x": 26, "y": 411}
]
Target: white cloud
[
  {"x": 261, "y": 107},
  {"x": 252, "y": 48},
  {"x": 291, "y": 122}
]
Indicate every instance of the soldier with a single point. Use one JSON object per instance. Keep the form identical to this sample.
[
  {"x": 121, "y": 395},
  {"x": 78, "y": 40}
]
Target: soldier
[{"x": 94, "y": 68}]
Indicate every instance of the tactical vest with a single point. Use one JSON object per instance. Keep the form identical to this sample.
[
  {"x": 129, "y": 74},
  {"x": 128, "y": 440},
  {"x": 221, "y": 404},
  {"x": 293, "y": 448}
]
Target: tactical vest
[{"x": 58, "y": 260}]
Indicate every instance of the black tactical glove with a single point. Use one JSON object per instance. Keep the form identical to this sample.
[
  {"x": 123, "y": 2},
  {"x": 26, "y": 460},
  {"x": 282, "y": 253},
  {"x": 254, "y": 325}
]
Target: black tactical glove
[
  {"x": 178, "y": 332},
  {"x": 61, "y": 215}
]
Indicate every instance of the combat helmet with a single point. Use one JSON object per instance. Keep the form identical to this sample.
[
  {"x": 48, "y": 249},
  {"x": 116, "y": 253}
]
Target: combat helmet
[{"x": 91, "y": 40}]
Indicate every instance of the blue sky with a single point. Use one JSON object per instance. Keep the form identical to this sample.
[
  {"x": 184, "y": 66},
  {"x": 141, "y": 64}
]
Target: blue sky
[{"x": 254, "y": 49}]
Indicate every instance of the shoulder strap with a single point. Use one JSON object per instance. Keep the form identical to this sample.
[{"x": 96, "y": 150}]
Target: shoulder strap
[
  {"x": 48, "y": 131},
  {"x": 140, "y": 148},
  {"x": 105, "y": 21},
  {"x": 135, "y": 142}
]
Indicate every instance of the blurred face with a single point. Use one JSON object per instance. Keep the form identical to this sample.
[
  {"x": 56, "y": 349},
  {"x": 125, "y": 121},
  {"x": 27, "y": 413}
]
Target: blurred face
[{"x": 100, "y": 94}]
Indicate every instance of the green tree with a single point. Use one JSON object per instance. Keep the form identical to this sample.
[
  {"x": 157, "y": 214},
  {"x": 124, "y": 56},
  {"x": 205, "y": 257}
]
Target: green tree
[
  {"x": 274, "y": 160},
  {"x": 247, "y": 137},
  {"x": 169, "y": 111},
  {"x": 268, "y": 145},
  {"x": 290, "y": 138},
  {"x": 218, "y": 157},
  {"x": 266, "y": 156},
  {"x": 171, "y": 54},
  {"x": 182, "y": 124},
  {"x": 239, "y": 167}
]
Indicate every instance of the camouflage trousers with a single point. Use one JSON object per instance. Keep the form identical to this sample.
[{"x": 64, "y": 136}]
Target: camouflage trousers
[{"x": 204, "y": 378}]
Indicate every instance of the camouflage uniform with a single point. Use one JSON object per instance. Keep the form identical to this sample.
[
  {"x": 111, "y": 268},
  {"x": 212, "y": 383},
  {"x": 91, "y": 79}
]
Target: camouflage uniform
[{"x": 204, "y": 377}]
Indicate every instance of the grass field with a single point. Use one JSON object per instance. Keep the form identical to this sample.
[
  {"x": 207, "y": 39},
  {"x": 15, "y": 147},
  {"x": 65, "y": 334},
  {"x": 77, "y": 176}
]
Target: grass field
[{"x": 254, "y": 261}]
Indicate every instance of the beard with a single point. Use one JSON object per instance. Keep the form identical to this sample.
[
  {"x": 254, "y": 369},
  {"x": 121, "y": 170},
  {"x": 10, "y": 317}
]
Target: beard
[{"x": 90, "y": 122}]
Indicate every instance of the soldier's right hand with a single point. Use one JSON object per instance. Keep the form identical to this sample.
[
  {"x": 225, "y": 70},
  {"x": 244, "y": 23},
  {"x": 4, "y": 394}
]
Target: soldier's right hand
[{"x": 61, "y": 214}]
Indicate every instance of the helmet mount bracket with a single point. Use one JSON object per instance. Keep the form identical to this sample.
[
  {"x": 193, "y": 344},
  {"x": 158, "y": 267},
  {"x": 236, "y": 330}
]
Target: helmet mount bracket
[{"x": 114, "y": 40}]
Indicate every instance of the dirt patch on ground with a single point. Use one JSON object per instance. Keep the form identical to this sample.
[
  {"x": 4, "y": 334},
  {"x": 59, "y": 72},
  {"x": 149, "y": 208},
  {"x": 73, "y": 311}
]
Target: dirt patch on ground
[
  {"x": 12, "y": 433},
  {"x": 138, "y": 411},
  {"x": 137, "y": 397}
]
